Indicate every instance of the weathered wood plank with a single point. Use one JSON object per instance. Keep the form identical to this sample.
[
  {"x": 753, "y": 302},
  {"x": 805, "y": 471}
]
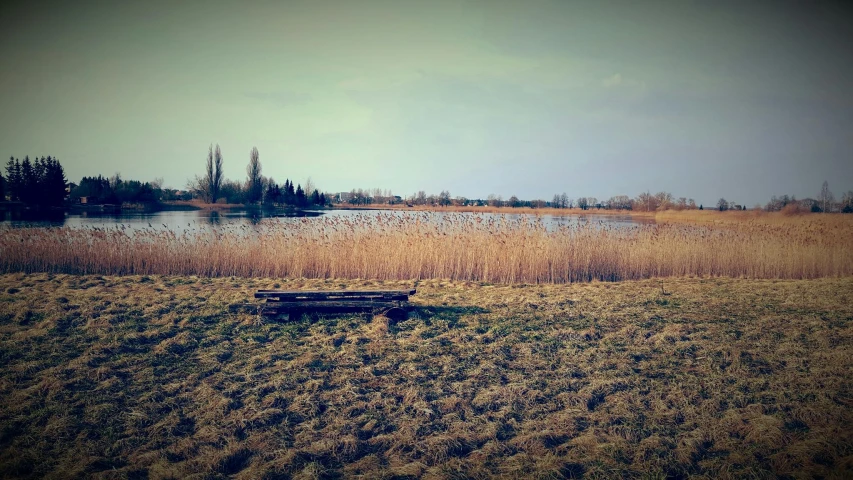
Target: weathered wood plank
[
  {"x": 324, "y": 305},
  {"x": 339, "y": 293},
  {"x": 335, "y": 295},
  {"x": 409, "y": 291},
  {"x": 295, "y": 302},
  {"x": 331, "y": 298}
]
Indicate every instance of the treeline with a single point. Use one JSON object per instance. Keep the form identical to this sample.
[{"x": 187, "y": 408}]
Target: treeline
[
  {"x": 825, "y": 202},
  {"x": 114, "y": 190},
  {"x": 644, "y": 202},
  {"x": 256, "y": 189},
  {"x": 268, "y": 193},
  {"x": 287, "y": 195},
  {"x": 35, "y": 182},
  {"x": 367, "y": 196}
]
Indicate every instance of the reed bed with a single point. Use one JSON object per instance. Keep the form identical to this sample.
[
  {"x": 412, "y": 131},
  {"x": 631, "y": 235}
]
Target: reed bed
[{"x": 466, "y": 247}]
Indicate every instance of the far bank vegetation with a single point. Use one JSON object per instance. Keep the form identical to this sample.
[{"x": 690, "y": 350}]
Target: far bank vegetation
[{"x": 257, "y": 189}]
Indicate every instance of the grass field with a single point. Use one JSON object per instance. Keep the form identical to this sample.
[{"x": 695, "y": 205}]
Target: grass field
[{"x": 151, "y": 377}]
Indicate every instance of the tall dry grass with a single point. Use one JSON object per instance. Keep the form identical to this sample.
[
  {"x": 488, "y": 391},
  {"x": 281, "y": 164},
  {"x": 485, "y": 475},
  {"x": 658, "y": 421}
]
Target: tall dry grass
[{"x": 455, "y": 246}]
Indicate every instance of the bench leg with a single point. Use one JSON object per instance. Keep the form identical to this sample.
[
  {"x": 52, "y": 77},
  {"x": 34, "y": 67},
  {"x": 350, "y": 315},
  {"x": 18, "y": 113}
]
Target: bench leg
[{"x": 396, "y": 314}]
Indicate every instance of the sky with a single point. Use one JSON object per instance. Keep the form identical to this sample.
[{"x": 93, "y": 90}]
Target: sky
[{"x": 702, "y": 99}]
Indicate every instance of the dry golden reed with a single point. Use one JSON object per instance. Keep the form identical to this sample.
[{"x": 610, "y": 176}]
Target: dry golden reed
[{"x": 487, "y": 248}]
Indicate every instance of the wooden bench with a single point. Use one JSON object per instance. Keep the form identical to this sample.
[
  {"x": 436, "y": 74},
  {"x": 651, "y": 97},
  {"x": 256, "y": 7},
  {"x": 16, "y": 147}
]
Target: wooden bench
[{"x": 391, "y": 303}]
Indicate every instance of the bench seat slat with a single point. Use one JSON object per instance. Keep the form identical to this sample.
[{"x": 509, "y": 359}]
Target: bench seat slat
[
  {"x": 335, "y": 294},
  {"x": 318, "y": 306},
  {"x": 339, "y": 299}
]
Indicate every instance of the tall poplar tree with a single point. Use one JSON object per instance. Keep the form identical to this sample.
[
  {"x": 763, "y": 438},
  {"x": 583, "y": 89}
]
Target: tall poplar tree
[
  {"x": 216, "y": 185},
  {"x": 254, "y": 182}
]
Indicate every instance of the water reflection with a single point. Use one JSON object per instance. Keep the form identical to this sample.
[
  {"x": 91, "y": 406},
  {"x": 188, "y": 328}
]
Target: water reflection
[
  {"x": 194, "y": 220},
  {"x": 213, "y": 218},
  {"x": 21, "y": 216}
]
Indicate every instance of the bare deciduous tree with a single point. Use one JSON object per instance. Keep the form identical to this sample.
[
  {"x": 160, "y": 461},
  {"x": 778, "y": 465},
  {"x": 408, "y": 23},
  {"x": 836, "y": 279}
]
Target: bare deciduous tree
[
  {"x": 826, "y": 197},
  {"x": 309, "y": 186},
  {"x": 210, "y": 185},
  {"x": 216, "y": 184},
  {"x": 664, "y": 200},
  {"x": 647, "y": 202},
  {"x": 208, "y": 177},
  {"x": 254, "y": 183},
  {"x": 847, "y": 202},
  {"x": 620, "y": 202},
  {"x": 420, "y": 198}
]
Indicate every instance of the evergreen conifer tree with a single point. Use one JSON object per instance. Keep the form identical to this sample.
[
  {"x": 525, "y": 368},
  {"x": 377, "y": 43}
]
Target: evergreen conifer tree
[
  {"x": 28, "y": 181},
  {"x": 13, "y": 179},
  {"x": 289, "y": 193},
  {"x": 300, "y": 196},
  {"x": 53, "y": 183}
]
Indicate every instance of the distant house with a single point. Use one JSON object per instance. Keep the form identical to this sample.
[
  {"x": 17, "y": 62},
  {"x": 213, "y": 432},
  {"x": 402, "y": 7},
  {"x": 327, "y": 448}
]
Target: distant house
[{"x": 343, "y": 197}]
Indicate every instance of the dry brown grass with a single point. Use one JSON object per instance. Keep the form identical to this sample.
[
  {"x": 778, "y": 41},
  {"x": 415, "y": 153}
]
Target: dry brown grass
[
  {"x": 813, "y": 222},
  {"x": 465, "y": 247},
  {"x": 150, "y": 377}
]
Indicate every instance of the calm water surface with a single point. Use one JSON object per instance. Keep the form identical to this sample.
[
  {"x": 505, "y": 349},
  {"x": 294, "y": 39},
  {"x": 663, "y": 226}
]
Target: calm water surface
[{"x": 179, "y": 221}]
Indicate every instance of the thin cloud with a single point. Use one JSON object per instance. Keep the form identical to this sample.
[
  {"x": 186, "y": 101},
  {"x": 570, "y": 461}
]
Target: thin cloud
[
  {"x": 618, "y": 81},
  {"x": 280, "y": 98}
]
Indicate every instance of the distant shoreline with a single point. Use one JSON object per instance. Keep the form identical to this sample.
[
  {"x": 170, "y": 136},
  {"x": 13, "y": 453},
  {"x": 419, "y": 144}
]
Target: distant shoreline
[
  {"x": 490, "y": 209},
  {"x": 158, "y": 206}
]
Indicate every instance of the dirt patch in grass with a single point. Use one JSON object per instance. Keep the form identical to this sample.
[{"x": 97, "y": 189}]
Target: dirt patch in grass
[{"x": 135, "y": 377}]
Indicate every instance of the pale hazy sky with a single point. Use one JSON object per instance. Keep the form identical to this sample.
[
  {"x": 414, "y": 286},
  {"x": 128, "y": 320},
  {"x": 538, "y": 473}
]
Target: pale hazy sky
[{"x": 703, "y": 99}]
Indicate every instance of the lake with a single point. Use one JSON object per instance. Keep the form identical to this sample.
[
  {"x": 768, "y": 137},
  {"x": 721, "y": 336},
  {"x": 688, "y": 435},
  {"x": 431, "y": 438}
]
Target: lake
[{"x": 181, "y": 220}]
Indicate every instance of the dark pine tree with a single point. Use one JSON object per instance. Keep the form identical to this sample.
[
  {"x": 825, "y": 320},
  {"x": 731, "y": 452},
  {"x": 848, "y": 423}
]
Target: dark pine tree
[
  {"x": 322, "y": 199},
  {"x": 28, "y": 181},
  {"x": 271, "y": 195},
  {"x": 300, "y": 196},
  {"x": 145, "y": 194},
  {"x": 315, "y": 197},
  {"x": 289, "y": 193},
  {"x": 13, "y": 179},
  {"x": 42, "y": 182},
  {"x": 2, "y": 188},
  {"x": 55, "y": 182},
  {"x": 37, "y": 188},
  {"x": 96, "y": 190}
]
